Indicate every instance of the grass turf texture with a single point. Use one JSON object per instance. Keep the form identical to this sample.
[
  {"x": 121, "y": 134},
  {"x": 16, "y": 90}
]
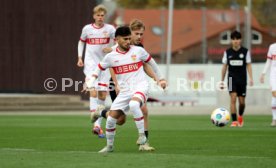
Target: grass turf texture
[{"x": 180, "y": 141}]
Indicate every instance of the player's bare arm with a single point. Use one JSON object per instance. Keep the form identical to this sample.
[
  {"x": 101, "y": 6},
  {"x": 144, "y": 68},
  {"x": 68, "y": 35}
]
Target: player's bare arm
[
  {"x": 80, "y": 51},
  {"x": 149, "y": 71},
  {"x": 249, "y": 69},
  {"x": 223, "y": 72},
  {"x": 160, "y": 79}
]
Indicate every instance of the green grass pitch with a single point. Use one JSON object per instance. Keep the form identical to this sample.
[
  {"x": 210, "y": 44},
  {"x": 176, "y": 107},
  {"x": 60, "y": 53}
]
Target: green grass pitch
[{"x": 65, "y": 141}]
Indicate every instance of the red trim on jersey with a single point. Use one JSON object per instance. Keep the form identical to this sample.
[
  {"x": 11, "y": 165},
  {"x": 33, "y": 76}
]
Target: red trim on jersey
[
  {"x": 96, "y": 41},
  {"x": 127, "y": 68},
  {"x": 121, "y": 52},
  {"x": 268, "y": 57},
  {"x": 138, "y": 119},
  {"x": 82, "y": 40},
  {"x": 110, "y": 130},
  {"x": 94, "y": 25},
  {"x": 140, "y": 93},
  {"x": 273, "y": 108},
  {"x": 102, "y": 84},
  {"x": 148, "y": 59},
  {"x": 101, "y": 68},
  {"x": 92, "y": 111}
]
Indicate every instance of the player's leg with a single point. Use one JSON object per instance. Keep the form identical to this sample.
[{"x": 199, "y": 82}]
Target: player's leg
[
  {"x": 102, "y": 88},
  {"x": 144, "y": 110},
  {"x": 93, "y": 103},
  {"x": 93, "y": 100},
  {"x": 273, "y": 108},
  {"x": 146, "y": 146},
  {"x": 118, "y": 108},
  {"x": 111, "y": 130},
  {"x": 103, "y": 113},
  {"x": 241, "y": 92},
  {"x": 122, "y": 119},
  {"x": 101, "y": 101},
  {"x": 241, "y": 110},
  {"x": 134, "y": 107},
  {"x": 233, "y": 109}
]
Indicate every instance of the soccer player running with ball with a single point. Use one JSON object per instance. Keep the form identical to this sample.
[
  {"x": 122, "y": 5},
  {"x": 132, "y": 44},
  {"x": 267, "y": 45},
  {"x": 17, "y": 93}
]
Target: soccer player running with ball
[
  {"x": 237, "y": 60},
  {"x": 271, "y": 63},
  {"x": 137, "y": 31},
  {"x": 127, "y": 63},
  {"x": 98, "y": 36}
]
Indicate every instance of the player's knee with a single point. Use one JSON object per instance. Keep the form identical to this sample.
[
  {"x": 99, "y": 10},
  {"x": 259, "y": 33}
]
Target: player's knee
[
  {"x": 144, "y": 110},
  {"x": 121, "y": 121},
  {"x": 134, "y": 105},
  {"x": 101, "y": 97},
  {"x": 242, "y": 105}
]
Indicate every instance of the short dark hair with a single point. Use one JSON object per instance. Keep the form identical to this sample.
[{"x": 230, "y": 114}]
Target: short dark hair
[
  {"x": 236, "y": 35},
  {"x": 123, "y": 31}
]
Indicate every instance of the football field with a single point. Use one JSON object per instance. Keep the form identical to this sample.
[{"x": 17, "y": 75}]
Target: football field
[{"x": 190, "y": 141}]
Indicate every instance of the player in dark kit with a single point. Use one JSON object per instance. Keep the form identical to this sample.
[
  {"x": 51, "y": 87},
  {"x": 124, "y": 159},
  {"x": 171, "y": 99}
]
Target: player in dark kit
[{"x": 237, "y": 60}]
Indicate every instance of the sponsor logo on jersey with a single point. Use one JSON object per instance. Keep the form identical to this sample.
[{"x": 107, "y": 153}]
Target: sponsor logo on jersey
[
  {"x": 236, "y": 62},
  {"x": 133, "y": 57},
  {"x": 127, "y": 68},
  {"x": 105, "y": 33},
  {"x": 241, "y": 55},
  {"x": 95, "y": 41}
]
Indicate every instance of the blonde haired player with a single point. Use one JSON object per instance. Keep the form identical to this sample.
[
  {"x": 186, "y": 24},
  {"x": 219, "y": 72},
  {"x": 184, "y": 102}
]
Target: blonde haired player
[
  {"x": 98, "y": 36},
  {"x": 271, "y": 63}
]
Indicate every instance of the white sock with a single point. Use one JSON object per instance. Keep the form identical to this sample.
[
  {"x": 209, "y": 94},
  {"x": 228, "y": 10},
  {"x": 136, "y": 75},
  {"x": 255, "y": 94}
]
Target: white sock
[
  {"x": 101, "y": 102},
  {"x": 273, "y": 107},
  {"x": 110, "y": 130},
  {"x": 93, "y": 107},
  {"x": 134, "y": 107},
  {"x": 98, "y": 122},
  {"x": 93, "y": 104}
]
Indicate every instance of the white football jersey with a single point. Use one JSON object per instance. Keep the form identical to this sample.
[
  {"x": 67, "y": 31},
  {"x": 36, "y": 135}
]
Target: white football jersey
[
  {"x": 127, "y": 66},
  {"x": 272, "y": 55},
  {"x": 96, "y": 39}
]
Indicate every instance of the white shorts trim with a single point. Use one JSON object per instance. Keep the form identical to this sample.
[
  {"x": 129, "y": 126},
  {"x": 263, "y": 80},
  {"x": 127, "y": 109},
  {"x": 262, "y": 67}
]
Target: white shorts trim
[{"x": 273, "y": 83}]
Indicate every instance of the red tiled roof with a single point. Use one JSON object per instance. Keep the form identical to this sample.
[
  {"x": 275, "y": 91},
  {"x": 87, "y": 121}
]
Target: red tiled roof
[{"x": 187, "y": 29}]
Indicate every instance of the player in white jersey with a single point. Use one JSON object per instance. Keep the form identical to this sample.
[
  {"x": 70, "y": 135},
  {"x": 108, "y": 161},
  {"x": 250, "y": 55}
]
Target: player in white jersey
[
  {"x": 137, "y": 31},
  {"x": 271, "y": 63},
  {"x": 127, "y": 64},
  {"x": 98, "y": 36}
]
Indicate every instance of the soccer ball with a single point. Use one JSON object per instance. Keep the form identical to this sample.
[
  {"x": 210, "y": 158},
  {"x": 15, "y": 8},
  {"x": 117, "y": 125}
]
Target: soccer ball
[{"x": 220, "y": 117}]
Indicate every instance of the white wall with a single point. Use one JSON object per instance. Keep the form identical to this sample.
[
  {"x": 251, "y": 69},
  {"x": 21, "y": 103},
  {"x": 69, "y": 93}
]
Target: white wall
[{"x": 207, "y": 78}]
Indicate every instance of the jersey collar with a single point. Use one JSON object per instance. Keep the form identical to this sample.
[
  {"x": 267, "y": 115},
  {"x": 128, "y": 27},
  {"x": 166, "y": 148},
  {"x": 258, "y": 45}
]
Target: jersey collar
[
  {"x": 121, "y": 52},
  {"x": 94, "y": 25}
]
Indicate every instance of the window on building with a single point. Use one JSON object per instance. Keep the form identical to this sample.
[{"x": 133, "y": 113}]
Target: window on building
[
  {"x": 157, "y": 30},
  {"x": 256, "y": 37},
  {"x": 225, "y": 37}
]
